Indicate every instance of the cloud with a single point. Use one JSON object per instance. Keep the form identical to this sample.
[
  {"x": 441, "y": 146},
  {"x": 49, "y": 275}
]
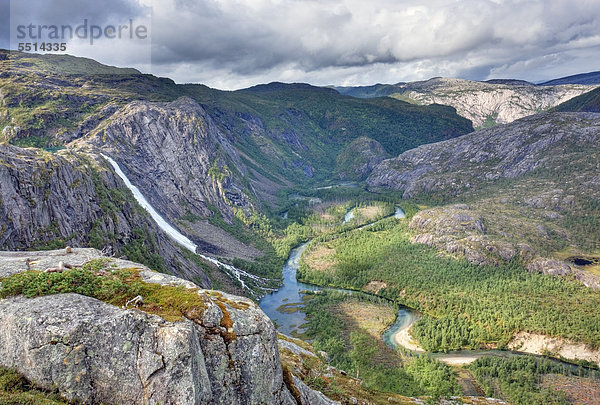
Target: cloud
[
  {"x": 33, "y": 21},
  {"x": 72, "y": 11},
  {"x": 230, "y": 43},
  {"x": 235, "y": 43}
]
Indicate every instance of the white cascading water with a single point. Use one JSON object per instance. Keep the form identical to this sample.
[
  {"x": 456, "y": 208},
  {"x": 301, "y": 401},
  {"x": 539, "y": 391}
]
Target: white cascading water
[
  {"x": 182, "y": 239},
  {"x": 162, "y": 224}
]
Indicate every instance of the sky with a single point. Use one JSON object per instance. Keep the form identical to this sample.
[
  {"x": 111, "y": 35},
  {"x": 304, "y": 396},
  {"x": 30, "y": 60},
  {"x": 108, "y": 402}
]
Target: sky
[{"x": 231, "y": 44}]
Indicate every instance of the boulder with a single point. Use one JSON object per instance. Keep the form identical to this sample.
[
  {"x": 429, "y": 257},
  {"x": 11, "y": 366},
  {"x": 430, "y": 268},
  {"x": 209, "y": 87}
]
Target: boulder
[
  {"x": 551, "y": 267},
  {"x": 94, "y": 352}
]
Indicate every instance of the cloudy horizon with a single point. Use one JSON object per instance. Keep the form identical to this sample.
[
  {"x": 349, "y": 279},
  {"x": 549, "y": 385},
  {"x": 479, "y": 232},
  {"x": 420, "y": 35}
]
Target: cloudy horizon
[{"x": 232, "y": 44}]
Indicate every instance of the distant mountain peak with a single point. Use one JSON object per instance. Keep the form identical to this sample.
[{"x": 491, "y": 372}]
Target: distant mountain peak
[
  {"x": 582, "y": 78},
  {"x": 280, "y": 86}
]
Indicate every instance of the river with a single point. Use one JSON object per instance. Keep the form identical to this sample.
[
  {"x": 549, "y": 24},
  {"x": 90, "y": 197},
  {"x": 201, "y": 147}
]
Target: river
[
  {"x": 288, "y": 322},
  {"x": 284, "y": 307}
]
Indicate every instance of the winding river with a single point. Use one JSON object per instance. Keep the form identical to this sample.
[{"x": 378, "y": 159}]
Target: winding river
[
  {"x": 290, "y": 321},
  {"x": 284, "y": 307}
]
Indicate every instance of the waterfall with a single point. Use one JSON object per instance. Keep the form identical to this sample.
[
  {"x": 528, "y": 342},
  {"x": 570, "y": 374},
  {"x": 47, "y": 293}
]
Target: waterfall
[
  {"x": 160, "y": 221},
  {"x": 181, "y": 239}
]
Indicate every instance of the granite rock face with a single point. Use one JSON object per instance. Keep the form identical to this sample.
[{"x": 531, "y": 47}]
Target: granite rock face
[
  {"x": 460, "y": 231},
  {"x": 177, "y": 156},
  {"x": 549, "y": 266},
  {"x": 94, "y": 352},
  {"x": 554, "y": 267},
  {"x": 503, "y": 152},
  {"x": 491, "y": 103},
  {"x": 526, "y": 182},
  {"x": 74, "y": 198}
]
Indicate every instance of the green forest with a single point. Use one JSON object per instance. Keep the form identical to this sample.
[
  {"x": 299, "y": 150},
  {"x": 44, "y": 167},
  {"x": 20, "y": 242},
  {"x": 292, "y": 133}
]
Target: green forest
[
  {"x": 464, "y": 305},
  {"x": 518, "y": 379},
  {"x": 357, "y": 353}
]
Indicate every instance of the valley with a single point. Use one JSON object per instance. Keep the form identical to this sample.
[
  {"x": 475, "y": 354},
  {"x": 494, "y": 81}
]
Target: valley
[
  {"x": 289, "y": 305},
  {"x": 408, "y": 245}
]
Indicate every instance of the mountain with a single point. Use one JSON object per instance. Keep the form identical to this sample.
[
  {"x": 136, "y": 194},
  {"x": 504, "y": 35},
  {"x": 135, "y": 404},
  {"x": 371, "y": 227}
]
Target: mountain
[
  {"x": 544, "y": 141},
  {"x": 587, "y": 102},
  {"x": 216, "y": 187},
  {"x": 486, "y": 104},
  {"x": 529, "y": 189},
  {"x": 592, "y": 78},
  {"x": 50, "y": 200},
  {"x": 358, "y": 159},
  {"x": 283, "y": 132},
  {"x": 211, "y": 163},
  {"x": 376, "y": 90}
]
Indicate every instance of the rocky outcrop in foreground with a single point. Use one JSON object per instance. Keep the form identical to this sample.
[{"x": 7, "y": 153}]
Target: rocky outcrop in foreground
[{"x": 94, "y": 352}]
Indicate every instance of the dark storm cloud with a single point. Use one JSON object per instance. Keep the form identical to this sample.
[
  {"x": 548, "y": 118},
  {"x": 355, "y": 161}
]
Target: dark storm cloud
[
  {"x": 4, "y": 24},
  {"x": 59, "y": 21},
  {"x": 234, "y": 43},
  {"x": 354, "y": 39},
  {"x": 72, "y": 11}
]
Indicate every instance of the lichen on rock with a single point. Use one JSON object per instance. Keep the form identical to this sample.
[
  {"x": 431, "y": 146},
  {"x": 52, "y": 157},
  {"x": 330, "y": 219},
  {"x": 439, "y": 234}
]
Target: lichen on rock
[{"x": 223, "y": 352}]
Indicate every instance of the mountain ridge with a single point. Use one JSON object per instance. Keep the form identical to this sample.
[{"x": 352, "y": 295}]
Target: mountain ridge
[
  {"x": 213, "y": 163},
  {"x": 526, "y": 189},
  {"x": 488, "y": 103},
  {"x": 581, "y": 78}
]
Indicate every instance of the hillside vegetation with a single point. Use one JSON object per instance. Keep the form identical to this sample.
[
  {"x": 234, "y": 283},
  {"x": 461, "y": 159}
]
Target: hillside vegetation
[
  {"x": 524, "y": 190},
  {"x": 588, "y": 102},
  {"x": 465, "y": 305},
  {"x": 292, "y": 132}
]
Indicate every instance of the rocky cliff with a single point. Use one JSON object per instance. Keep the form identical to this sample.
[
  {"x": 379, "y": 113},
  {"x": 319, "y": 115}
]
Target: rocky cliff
[
  {"x": 50, "y": 200},
  {"x": 544, "y": 141},
  {"x": 486, "y": 104},
  {"x": 587, "y": 102},
  {"x": 184, "y": 165},
  {"x": 221, "y": 351},
  {"x": 531, "y": 189},
  {"x": 177, "y": 155},
  {"x": 209, "y": 161}
]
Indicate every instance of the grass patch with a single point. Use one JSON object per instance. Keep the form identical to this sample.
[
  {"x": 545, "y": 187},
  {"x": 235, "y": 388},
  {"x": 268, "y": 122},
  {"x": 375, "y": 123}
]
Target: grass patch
[
  {"x": 16, "y": 390},
  {"x": 290, "y": 308},
  {"x": 113, "y": 286}
]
